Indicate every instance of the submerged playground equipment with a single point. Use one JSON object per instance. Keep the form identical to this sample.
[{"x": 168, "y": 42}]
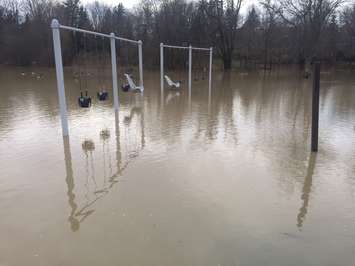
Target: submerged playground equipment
[
  {"x": 174, "y": 83},
  {"x": 56, "y": 27}
]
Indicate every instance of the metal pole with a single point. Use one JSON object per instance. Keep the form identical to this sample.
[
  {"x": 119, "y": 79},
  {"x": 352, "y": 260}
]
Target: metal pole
[
  {"x": 140, "y": 55},
  {"x": 190, "y": 68},
  {"x": 190, "y": 75},
  {"x": 60, "y": 76},
  {"x": 315, "y": 107},
  {"x": 114, "y": 72},
  {"x": 161, "y": 68},
  {"x": 210, "y": 73}
]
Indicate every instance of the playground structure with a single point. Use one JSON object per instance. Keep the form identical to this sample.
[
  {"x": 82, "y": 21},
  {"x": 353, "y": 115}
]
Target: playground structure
[
  {"x": 176, "y": 84},
  {"x": 56, "y": 27}
]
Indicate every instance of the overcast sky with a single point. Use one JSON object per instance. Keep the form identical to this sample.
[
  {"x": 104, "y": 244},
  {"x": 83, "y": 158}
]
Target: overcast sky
[
  {"x": 131, "y": 3},
  {"x": 127, "y": 3}
]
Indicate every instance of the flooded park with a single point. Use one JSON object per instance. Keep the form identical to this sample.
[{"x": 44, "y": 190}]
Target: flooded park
[
  {"x": 177, "y": 133},
  {"x": 221, "y": 177}
]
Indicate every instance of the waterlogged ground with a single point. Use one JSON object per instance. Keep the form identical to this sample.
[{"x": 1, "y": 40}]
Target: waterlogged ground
[{"x": 225, "y": 178}]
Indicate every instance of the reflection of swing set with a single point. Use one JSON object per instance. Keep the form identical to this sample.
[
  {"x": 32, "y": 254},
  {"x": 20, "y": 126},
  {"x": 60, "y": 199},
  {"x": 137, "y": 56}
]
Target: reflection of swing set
[
  {"x": 95, "y": 191},
  {"x": 176, "y": 84},
  {"x": 85, "y": 100}
]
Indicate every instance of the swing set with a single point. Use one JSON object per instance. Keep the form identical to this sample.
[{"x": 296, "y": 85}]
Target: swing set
[
  {"x": 176, "y": 84},
  {"x": 84, "y": 100}
]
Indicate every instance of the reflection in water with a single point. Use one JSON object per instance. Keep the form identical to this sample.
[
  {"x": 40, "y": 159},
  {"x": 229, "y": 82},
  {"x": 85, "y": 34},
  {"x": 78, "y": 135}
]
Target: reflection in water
[
  {"x": 76, "y": 216},
  {"x": 106, "y": 154},
  {"x": 88, "y": 146},
  {"x": 134, "y": 111},
  {"x": 133, "y": 130},
  {"x": 74, "y": 223},
  {"x": 112, "y": 179},
  {"x": 306, "y": 191},
  {"x": 172, "y": 95},
  {"x": 79, "y": 214},
  {"x": 105, "y": 134}
]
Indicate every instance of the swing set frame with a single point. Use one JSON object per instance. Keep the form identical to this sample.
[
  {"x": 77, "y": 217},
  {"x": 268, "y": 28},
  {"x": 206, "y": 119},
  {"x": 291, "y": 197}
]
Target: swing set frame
[
  {"x": 190, "y": 49},
  {"x": 56, "y": 27}
]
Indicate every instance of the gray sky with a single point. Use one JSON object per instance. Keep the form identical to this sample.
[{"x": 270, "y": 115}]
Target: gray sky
[
  {"x": 126, "y": 3},
  {"x": 131, "y": 3}
]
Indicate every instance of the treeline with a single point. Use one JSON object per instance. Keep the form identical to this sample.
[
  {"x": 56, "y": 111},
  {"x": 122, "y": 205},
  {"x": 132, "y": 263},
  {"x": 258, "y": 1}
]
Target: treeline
[{"x": 273, "y": 32}]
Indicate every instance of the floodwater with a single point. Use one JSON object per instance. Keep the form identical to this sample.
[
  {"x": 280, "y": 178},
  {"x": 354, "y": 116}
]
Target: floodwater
[{"x": 225, "y": 178}]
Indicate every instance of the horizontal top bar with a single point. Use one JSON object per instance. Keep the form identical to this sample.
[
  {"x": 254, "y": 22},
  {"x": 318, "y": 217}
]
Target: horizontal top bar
[
  {"x": 127, "y": 40},
  {"x": 185, "y": 47},
  {"x": 203, "y": 49},
  {"x": 176, "y": 47},
  {"x": 84, "y": 31},
  {"x": 98, "y": 34}
]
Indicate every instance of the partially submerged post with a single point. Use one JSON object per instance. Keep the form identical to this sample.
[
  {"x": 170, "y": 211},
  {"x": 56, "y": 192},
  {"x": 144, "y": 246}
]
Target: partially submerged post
[
  {"x": 140, "y": 58},
  {"x": 190, "y": 69},
  {"x": 116, "y": 102},
  {"x": 210, "y": 74},
  {"x": 60, "y": 76},
  {"x": 315, "y": 107},
  {"x": 161, "y": 68}
]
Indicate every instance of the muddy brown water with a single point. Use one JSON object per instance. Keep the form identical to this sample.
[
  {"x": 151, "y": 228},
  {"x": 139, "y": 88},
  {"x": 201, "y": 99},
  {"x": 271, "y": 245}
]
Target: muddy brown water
[{"x": 222, "y": 180}]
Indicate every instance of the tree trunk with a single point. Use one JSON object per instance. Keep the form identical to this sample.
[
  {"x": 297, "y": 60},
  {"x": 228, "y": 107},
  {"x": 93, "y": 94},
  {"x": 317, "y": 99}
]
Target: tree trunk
[
  {"x": 227, "y": 63},
  {"x": 307, "y": 68}
]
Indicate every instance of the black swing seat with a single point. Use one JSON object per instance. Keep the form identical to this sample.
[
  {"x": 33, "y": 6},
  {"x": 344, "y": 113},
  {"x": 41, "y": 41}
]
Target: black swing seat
[
  {"x": 84, "y": 101},
  {"x": 126, "y": 88},
  {"x": 102, "y": 95}
]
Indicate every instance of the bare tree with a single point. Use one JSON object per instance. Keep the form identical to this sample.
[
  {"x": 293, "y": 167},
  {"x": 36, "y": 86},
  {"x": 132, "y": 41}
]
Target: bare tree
[
  {"x": 97, "y": 13},
  {"x": 309, "y": 17},
  {"x": 40, "y": 10},
  {"x": 283, "y": 31},
  {"x": 348, "y": 19},
  {"x": 224, "y": 18},
  {"x": 268, "y": 22},
  {"x": 250, "y": 38},
  {"x": 348, "y": 33},
  {"x": 11, "y": 8}
]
